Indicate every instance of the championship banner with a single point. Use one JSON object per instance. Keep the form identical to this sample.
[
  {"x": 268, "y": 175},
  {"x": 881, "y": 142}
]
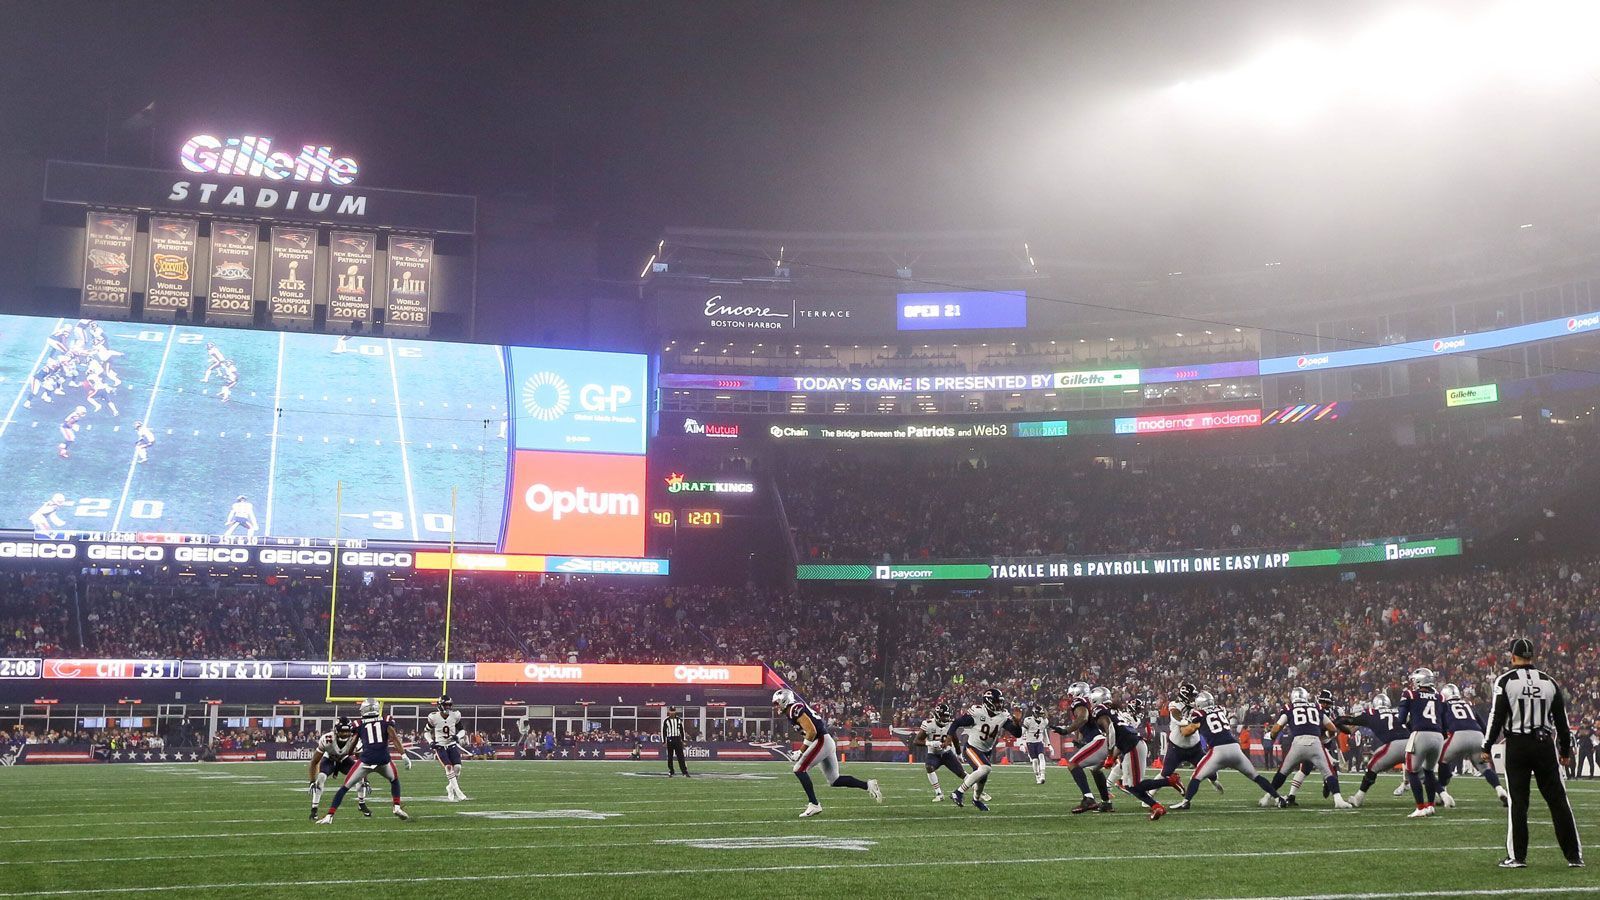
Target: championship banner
[
  {"x": 294, "y": 276},
  {"x": 107, "y": 264},
  {"x": 352, "y": 264},
  {"x": 170, "y": 288},
  {"x": 231, "y": 298},
  {"x": 410, "y": 283},
  {"x": 618, "y": 673}
]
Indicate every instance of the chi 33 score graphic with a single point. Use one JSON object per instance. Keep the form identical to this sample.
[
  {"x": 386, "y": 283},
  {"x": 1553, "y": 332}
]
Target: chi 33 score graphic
[{"x": 123, "y": 427}]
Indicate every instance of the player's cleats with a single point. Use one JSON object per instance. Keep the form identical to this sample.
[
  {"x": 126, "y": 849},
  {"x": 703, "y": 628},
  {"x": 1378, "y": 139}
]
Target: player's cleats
[
  {"x": 1448, "y": 801},
  {"x": 1265, "y": 801},
  {"x": 365, "y": 809},
  {"x": 811, "y": 809},
  {"x": 313, "y": 813},
  {"x": 326, "y": 820},
  {"x": 1509, "y": 863},
  {"x": 1291, "y": 800},
  {"x": 985, "y": 797},
  {"x": 938, "y": 796},
  {"x": 1421, "y": 812},
  {"x": 1505, "y": 798},
  {"x": 1181, "y": 804},
  {"x": 873, "y": 790},
  {"x": 401, "y": 814},
  {"x": 1574, "y": 863},
  {"x": 1342, "y": 803},
  {"x": 1105, "y": 806},
  {"x": 1089, "y": 804},
  {"x": 1218, "y": 785},
  {"x": 1357, "y": 798},
  {"x": 1157, "y": 811},
  {"x": 979, "y": 805},
  {"x": 1038, "y": 779},
  {"x": 1283, "y": 803},
  {"x": 1400, "y": 791},
  {"x": 955, "y": 797},
  {"x": 1175, "y": 782}
]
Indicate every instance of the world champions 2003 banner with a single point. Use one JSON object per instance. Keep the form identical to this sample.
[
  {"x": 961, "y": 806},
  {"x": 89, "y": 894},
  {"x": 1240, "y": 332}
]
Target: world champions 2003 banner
[{"x": 154, "y": 429}]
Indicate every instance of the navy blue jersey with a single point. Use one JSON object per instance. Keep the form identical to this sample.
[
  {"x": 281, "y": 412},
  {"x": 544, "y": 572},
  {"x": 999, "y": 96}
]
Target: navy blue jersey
[
  {"x": 1420, "y": 710},
  {"x": 1127, "y": 735},
  {"x": 1091, "y": 726},
  {"x": 1302, "y": 719},
  {"x": 1383, "y": 723},
  {"x": 374, "y": 735},
  {"x": 1216, "y": 727},
  {"x": 1459, "y": 716},
  {"x": 799, "y": 711}
]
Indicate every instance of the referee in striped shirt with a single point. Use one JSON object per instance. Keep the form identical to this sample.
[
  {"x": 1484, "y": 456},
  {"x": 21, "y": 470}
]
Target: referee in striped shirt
[{"x": 1530, "y": 711}]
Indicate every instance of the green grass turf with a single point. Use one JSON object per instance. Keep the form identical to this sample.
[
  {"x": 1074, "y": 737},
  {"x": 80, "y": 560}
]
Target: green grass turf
[{"x": 241, "y": 830}]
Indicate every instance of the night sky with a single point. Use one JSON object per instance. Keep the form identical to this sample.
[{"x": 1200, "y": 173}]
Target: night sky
[{"x": 794, "y": 115}]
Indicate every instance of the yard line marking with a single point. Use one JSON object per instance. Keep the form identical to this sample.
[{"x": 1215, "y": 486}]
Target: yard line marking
[
  {"x": 277, "y": 416},
  {"x": 24, "y": 390},
  {"x": 155, "y": 391},
  {"x": 400, "y": 423},
  {"x": 733, "y": 870},
  {"x": 1464, "y": 892}
]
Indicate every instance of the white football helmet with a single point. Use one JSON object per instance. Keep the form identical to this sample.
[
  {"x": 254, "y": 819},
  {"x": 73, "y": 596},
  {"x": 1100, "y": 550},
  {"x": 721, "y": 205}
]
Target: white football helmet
[
  {"x": 1299, "y": 695},
  {"x": 1078, "y": 689},
  {"x": 1450, "y": 692},
  {"x": 1422, "y": 677},
  {"x": 370, "y": 709},
  {"x": 783, "y": 698},
  {"x": 1203, "y": 699},
  {"x": 1381, "y": 701},
  {"x": 1100, "y": 695}
]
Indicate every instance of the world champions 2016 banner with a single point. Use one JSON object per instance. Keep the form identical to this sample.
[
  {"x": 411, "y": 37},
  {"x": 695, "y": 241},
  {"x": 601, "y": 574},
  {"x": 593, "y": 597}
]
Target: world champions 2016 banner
[{"x": 195, "y": 434}]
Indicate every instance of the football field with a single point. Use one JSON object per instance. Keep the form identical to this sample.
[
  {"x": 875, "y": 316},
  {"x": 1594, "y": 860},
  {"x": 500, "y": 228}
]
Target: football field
[
  {"x": 364, "y": 441},
  {"x": 621, "y": 829}
]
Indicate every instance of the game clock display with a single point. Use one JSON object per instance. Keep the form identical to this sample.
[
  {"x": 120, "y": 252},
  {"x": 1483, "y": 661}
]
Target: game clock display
[
  {"x": 702, "y": 518},
  {"x": 12, "y": 667}
]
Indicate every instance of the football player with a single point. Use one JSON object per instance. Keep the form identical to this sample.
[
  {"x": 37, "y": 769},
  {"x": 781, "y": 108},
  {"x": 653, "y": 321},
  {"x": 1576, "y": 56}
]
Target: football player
[
  {"x": 817, "y": 750},
  {"x": 1422, "y": 713},
  {"x": 1130, "y": 754},
  {"x": 1389, "y": 735},
  {"x": 47, "y": 383},
  {"x": 1093, "y": 723},
  {"x": 1463, "y": 740},
  {"x": 934, "y": 733},
  {"x": 1035, "y": 731},
  {"x": 1215, "y": 727},
  {"x": 69, "y": 431},
  {"x": 215, "y": 360},
  {"x": 1330, "y": 743},
  {"x": 144, "y": 439},
  {"x": 96, "y": 390},
  {"x": 1182, "y": 749},
  {"x": 47, "y": 517},
  {"x": 230, "y": 380},
  {"x": 242, "y": 514},
  {"x": 984, "y": 722},
  {"x": 377, "y": 735},
  {"x": 1308, "y": 726},
  {"x": 444, "y": 734},
  {"x": 336, "y": 755}
]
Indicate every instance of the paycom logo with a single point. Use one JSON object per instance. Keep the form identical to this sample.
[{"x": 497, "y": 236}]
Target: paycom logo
[{"x": 579, "y": 400}]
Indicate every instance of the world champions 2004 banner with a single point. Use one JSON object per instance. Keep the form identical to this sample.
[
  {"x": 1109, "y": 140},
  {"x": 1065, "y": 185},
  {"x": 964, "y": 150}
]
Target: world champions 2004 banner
[{"x": 223, "y": 432}]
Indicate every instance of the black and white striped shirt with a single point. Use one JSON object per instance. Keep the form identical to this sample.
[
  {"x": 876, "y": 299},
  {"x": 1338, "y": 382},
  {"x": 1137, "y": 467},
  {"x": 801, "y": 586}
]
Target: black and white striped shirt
[
  {"x": 672, "y": 727},
  {"x": 1529, "y": 702}
]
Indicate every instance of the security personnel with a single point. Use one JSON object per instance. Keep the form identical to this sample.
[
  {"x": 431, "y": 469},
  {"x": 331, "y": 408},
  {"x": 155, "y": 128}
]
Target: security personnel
[
  {"x": 672, "y": 740},
  {"x": 1529, "y": 709}
]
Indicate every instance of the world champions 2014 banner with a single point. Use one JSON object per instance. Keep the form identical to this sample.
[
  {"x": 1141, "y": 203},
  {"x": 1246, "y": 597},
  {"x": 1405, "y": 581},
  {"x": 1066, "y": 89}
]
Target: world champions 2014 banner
[
  {"x": 200, "y": 434},
  {"x": 1063, "y": 568}
]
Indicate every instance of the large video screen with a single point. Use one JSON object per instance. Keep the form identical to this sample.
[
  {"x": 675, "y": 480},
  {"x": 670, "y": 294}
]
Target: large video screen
[{"x": 174, "y": 429}]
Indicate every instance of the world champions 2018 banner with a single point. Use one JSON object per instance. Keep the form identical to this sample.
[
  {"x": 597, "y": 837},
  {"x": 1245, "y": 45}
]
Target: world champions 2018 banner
[{"x": 193, "y": 433}]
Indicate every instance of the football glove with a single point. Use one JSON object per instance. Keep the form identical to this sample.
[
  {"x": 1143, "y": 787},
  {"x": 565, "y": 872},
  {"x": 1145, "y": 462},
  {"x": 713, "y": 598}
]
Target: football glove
[{"x": 408, "y": 764}]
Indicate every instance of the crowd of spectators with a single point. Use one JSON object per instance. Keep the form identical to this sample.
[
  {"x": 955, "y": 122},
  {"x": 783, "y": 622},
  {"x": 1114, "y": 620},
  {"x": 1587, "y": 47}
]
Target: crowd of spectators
[{"x": 1011, "y": 502}]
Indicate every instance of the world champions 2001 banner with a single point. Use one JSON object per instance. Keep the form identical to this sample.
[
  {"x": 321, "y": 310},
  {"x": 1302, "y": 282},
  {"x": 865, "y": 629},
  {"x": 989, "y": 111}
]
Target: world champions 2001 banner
[{"x": 123, "y": 428}]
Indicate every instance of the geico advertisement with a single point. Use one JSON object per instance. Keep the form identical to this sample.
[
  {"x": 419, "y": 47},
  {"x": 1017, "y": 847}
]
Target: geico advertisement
[
  {"x": 617, "y": 673},
  {"x": 203, "y": 554},
  {"x": 576, "y": 504},
  {"x": 578, "y": 400}
]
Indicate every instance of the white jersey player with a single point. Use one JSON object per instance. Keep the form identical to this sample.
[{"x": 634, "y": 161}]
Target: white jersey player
[
  {"x": 984, "y": 724},
  {"x": 144, "y": 439},
  {"x": 1036, "y": 740},
  {"x": 241, "y": 515},
  {"x": 215, "y": 360},
  {"x": 47, "y": 517},
  {"x": 443, "y": 733}
]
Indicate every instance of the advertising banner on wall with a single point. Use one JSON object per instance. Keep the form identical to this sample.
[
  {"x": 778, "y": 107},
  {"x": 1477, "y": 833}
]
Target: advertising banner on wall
[
  {"x": 579, "y": 400},
  {"x": 1053, "y": 568},
  {"x": 108, "y": 264},
  {"x": 961, "y": 310},
  {"x": 751, "y": 311},
  {"x": 231, "y": 297},
  {"x": 576, "y": 504},
  {"x": 410, "y": 284},
  {"x": 291, "y": 292},
  {"x": 170, "y": 288},
  {"x": 352, "y": 257},
  {"x": 619, "y": 673}
]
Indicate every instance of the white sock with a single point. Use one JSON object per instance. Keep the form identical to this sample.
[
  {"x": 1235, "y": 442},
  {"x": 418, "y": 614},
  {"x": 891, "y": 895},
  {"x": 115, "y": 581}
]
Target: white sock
[
  {"x": 933, "y": 779},
  {"x": 316, "y": 789},
  {"x": 975, "y": 776}
]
